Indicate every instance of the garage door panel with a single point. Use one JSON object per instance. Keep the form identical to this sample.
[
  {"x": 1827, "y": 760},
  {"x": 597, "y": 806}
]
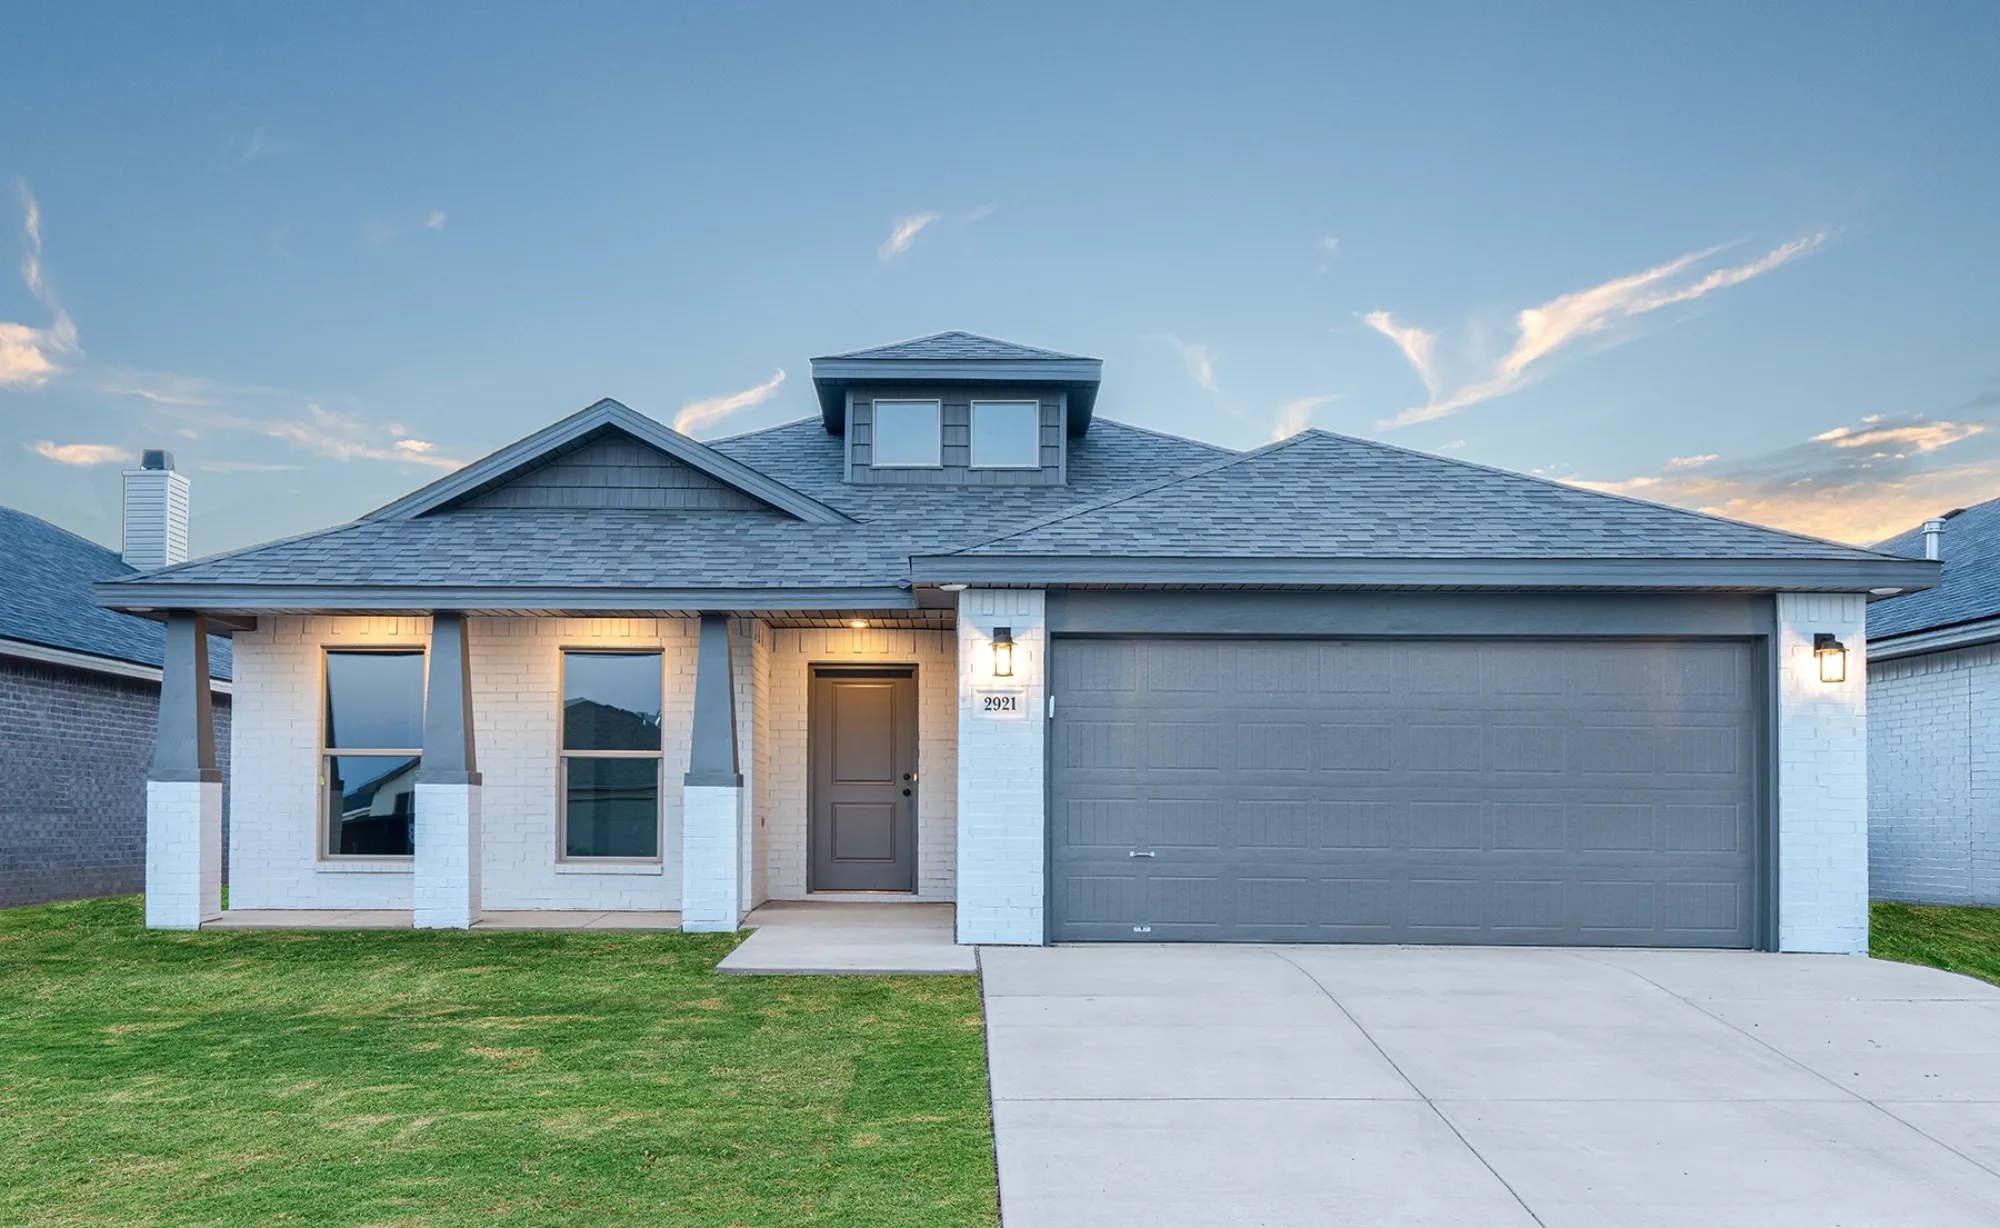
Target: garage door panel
[{"x": 1544, "y": 792}]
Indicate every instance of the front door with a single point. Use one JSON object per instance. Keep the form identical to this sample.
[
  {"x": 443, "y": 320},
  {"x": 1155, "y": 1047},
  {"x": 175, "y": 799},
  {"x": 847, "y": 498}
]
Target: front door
[{"x": 864, "y": 780}]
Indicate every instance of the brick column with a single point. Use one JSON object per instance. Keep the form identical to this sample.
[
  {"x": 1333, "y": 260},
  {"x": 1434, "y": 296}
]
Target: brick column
[
  {"x": 712, "y": 844},
  {"x": 184, "y": 789},
  {"x": 1001, "y": 820},
  {"x": 1822, "y": 765},
  {"x": 445, "y": 884}
]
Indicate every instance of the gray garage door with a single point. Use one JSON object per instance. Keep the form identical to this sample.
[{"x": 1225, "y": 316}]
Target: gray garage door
[{"x": 1570, "y": 792}]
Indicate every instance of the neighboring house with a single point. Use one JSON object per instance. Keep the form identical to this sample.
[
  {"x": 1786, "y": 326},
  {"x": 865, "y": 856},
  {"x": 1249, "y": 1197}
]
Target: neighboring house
[
  {"x": 79, "y": 688},
  {"x": 1934, "y": 731},
  {"x": 958, "y": 639}
]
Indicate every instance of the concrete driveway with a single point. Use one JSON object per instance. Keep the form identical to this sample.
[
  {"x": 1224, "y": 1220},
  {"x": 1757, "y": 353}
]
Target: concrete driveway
[{"x": 1168, "y": 1086}]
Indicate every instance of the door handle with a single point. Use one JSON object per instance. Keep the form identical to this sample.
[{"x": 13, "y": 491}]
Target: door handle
[{"x": 1136, "y": 853}]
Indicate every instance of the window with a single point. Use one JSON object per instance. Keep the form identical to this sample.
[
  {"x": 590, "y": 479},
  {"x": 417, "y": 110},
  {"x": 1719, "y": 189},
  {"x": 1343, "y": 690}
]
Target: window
[
  {"x": 611, "y": 754},
  {"x": 1006, "y": 435},
  {"x": 373, "y": 741},
  {"x": 907, "y": 435}
]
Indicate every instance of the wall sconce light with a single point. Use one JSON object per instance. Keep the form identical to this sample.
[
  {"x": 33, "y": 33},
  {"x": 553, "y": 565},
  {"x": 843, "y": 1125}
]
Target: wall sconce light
[
  {"x": 1832, "y": 655},
  {"x": 1003, "y": 652}
]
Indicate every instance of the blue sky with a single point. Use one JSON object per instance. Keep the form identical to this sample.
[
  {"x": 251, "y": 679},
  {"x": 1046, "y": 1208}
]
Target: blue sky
[{"x": 1732, "y": 256}]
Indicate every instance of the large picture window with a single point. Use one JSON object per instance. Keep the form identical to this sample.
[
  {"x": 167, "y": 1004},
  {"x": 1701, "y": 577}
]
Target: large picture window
[
  {"x": 372, "y": 744},
  {"x": 611, "y": 755}
]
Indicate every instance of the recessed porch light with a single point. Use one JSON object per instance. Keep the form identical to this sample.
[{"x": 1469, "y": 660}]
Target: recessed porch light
[{"x": 859, "y": 624}]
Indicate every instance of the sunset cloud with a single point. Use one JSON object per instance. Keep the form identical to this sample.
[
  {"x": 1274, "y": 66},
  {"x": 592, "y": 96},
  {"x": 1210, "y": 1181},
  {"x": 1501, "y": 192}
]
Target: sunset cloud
[
  {"x": 902, "y": 234},
  {"x": 701, "y": 413},
  {"x": 1198, "y": 359},
  {"x": 1856, "y": 483},
  {"x": 1295, "y": 416},
  {"x": 1543, "y": 331},
  {"x": 29, "y": 356},
  {"x": 82, "y": 453}
]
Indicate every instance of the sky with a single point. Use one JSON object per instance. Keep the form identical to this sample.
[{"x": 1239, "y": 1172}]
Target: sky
[{"x": 1734, "y": 257}]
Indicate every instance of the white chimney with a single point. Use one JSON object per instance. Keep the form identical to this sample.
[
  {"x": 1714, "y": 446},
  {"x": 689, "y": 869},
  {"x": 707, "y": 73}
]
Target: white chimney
[
  {"x": 156, "y": 513},
  {"x": 1934, "y": 537}
]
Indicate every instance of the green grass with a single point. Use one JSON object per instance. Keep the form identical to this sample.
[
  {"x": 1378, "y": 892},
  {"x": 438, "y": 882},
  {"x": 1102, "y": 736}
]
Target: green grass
[
  {"x": 1956, "y": 939},
  {"x": 408, "y": 1078}
]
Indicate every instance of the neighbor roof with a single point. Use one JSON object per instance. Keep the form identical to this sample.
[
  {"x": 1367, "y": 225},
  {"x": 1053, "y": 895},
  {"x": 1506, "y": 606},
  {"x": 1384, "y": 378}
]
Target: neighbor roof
[
  {"x": 49, "y": 601},
  {"x": 1969, "y": 590}
]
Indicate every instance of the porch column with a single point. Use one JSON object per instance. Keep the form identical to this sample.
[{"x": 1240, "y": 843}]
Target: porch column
[
  {"x": 184, "y": 789},
  {"x": 445, "y": 884},
  {"x": 712, "y": 797}
]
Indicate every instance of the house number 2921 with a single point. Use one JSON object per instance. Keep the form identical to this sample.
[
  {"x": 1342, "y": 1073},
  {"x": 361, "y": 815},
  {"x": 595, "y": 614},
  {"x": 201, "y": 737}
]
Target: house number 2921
[{"x": 1000, "y": 705}]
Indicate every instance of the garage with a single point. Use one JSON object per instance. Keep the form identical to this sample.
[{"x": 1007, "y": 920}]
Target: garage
[{"x": 1570, "y": 792}]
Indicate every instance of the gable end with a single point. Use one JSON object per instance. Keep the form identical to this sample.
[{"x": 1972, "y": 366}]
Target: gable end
[{"x": 616, "y": 472}]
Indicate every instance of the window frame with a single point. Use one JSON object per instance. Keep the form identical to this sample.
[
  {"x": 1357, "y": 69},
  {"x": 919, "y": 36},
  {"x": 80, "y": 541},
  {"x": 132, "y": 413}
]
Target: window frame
[
  {"x": 875, "y": 405},
  {"x": 324, "y": 825},
  {"x": 564, "y": 755},
  {"x": 972, "y": 433}
]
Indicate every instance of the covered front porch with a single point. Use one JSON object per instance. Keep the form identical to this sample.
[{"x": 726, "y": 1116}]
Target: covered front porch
[{"x": 791, "y": 756}]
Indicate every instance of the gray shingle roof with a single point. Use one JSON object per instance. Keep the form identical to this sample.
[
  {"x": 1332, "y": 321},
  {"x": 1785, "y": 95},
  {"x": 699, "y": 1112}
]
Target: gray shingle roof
[
  {"x": 1970, "y": 590},
  {"x": 1319, "y": 494},
  {"x": 47, "y": 599},
  {"x": 953, "y": 347}
]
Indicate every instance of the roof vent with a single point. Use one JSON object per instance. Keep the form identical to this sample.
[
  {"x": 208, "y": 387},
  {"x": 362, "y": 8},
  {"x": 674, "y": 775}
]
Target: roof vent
[{"x": 1934, "y": 537}]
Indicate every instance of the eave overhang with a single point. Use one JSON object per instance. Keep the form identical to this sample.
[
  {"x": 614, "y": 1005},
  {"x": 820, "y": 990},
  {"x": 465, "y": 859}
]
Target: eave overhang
[
  {"x": 252, "y": 599},
  {"x": 833, "y": 376},
  {"x": 1739, "y": 575}
]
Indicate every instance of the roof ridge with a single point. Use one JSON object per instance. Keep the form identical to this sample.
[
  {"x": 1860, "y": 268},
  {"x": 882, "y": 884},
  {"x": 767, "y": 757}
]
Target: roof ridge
[
  {"x": 762, "y": 430},
  {"x": 1158, "y": 434},
  {"x": 1607, "y": 494},
  {"x": 1146, "y": 488},
  {"x": 1040, "y": 351}
]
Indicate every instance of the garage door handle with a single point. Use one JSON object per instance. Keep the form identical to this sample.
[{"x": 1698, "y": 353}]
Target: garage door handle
[{"x": 1138, "y": 854}]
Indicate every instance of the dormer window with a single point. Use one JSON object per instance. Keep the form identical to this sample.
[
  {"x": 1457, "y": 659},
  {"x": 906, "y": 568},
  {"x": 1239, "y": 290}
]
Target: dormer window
[
  {"x": 908, "y": 435},
  {"x": 1006, "y": 435}
]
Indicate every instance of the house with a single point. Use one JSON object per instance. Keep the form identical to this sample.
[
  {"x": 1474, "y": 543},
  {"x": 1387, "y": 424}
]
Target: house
[
  {"x": 79, "y": 690},
  {"x": 1934, "y": 732},
  {"x": 957, "y": 638}
]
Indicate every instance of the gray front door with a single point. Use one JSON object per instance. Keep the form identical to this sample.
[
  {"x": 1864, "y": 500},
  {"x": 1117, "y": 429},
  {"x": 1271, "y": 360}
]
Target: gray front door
[
  {"x": 864, "y": 780},
  {"x": 1542, "y": 792}
]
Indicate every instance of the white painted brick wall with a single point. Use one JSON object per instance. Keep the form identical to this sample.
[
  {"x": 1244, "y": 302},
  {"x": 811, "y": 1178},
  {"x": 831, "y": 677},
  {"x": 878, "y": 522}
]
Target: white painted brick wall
[
  {"x": 784, "y": 806},
  {"x": 1934, "y": 777},
  {"x": 1001, "y": 812},
  {"x": 445, "y": 878},
  {"x": 1822, "y": 778},
  {"x": 753, "y": 712},
  {"x": 516, "y": 665},
  {"x": 183, "y": 853},
  {"x": 712, "y": 858}
]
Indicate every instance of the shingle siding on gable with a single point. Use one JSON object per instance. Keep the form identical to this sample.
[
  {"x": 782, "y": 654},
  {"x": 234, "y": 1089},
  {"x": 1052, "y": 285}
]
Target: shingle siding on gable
[
  {"x": 1934, "y": 777},
  {"x": 613, "y": 473},
  {"x": 73, "y": 780},
  {"x": 955, "y": 413}
]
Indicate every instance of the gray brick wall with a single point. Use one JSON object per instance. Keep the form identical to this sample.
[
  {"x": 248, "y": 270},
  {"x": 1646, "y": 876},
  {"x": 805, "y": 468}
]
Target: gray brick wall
[
  {"x": 1934, "y": 777},
  {"x": 74, "y": 751}
]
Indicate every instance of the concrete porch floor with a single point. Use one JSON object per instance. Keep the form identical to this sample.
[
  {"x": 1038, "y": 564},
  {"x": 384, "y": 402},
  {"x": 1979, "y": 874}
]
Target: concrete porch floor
[
  {"x": 819, "y": 938},
  {"x": 399, "y": 919}
]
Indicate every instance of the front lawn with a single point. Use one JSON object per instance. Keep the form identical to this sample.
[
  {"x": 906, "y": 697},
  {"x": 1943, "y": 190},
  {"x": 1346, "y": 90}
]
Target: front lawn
[
  {"x": 403, "y": 1079},
  {"x": 1956, "y": 939}
]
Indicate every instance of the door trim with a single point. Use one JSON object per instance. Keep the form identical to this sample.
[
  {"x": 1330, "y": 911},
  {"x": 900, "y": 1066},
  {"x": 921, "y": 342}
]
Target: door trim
[{"x": 815, "y": 670}]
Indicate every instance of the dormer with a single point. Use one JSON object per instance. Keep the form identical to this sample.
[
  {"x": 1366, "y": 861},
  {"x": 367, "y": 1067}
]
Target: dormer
[{"x": 955, "y": 409}]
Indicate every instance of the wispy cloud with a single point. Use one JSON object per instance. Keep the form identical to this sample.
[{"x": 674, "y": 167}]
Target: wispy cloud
[
  {"x": 1859, "y": 482},
  {"x": 902, "y": 234},
  {"x": 243, "y": 466},
  {"x": 1543, "y": 331},
  {"x": 380, "y": 232},
  {"x": 1295, "y": 416},
  {"x": 981, "y": 213},
  {"x": 162, "y": 389},
  {"x": 1328, "y": 247},
  {"x": 1198, "y": 359},
  {"x": 434, "y": 220},
  {"x": 1418, "y": 346},
  {"x": 347, "y": 437},
  {"x": 30, "y": 357},
  {"x": 700, "y": 413},
  {"x": 252, "y": 146},
  {"x": 81, "y": 453}
]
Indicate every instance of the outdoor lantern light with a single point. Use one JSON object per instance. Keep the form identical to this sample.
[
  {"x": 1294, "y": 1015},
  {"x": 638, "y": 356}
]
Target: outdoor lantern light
[
  {"x": 1832, "y": 656},
  {"x": 1003, "y": 652}
]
